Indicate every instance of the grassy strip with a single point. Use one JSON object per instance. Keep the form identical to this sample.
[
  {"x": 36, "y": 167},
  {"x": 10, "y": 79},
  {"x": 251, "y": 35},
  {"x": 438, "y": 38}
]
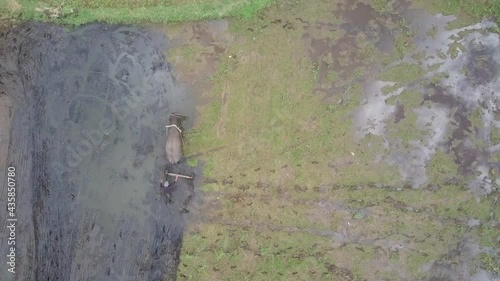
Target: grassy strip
[
  {"x": 476, "y": 10},
  {"x": 129, "y": 3},
  {"x": 151, "y": 14}
]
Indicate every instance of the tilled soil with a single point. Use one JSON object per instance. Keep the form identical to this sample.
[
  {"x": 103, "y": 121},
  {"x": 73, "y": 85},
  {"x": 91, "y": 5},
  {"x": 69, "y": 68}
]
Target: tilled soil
[{"x": 89, "y": 108}]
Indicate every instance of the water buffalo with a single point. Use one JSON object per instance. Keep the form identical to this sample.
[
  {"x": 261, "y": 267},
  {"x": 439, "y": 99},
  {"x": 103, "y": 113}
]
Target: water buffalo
[{"x": 173, "y": 146}]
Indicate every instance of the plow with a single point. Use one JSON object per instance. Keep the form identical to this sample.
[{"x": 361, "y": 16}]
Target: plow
[{"x": 177, "y": 176}]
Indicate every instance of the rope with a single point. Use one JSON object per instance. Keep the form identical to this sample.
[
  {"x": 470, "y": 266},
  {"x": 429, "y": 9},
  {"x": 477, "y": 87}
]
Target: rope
[{"x": 175, "y": 127}]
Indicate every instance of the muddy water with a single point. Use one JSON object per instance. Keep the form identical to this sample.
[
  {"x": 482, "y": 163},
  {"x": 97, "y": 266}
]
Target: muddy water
[
  {"x": 445, "y": 111},
  {"x": 468, "y": 55},
  {"x": 470, "y": 58},
  {"x": 5, "y": 115},
  {"x": 88, "y": 139},
  {"x": 361, "y": 18},
  {"x": 362, "y": 28}
]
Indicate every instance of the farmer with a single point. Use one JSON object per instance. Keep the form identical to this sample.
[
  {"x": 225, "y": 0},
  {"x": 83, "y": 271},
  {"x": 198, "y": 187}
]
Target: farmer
[{"x": 168, "y": 188}]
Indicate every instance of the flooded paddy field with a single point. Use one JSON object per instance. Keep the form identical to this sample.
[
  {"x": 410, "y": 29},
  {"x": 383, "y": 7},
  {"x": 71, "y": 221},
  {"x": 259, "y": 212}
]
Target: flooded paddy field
[
  {"x": 88, "y": 110},
  {"x": 349, "y": 140}
]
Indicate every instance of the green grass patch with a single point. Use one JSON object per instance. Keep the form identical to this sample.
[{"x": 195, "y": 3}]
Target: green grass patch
[
  {"x": 490, "y": 263},
  {"x": 159, "y": 11},
  {"x": 467, "y": 11},
  {"x": 495, "y": 135},
  {"x": 5, "y": 8},
  {"x": 406, "y": 129},
  {"x": 271, "y": 119},
  {"x": 411, "y": 99},
  {"x": 219, "y": 252},
  {"x": 438, "y": 77},
  {"x": 488, "y": 236},
  {"x": 454, "y": 49},
  {"x": 475, "y": 117},
  {"x": 209, "y": 187},
  {"x": 189, "y": 53},
  {"x": 391, "y": 89},
  {"x": 404, "y": 73},
  {"x": 465, "y": 205},
  {"x": 403, "y": 46},
  {"x": 382, "y": 6},
  {"x": 192, "y": 162},
  {"x": 441, "y": 167}
]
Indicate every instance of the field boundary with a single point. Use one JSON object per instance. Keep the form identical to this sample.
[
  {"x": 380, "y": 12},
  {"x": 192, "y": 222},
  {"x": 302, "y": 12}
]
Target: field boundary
[{"x": 128, "y": 15}]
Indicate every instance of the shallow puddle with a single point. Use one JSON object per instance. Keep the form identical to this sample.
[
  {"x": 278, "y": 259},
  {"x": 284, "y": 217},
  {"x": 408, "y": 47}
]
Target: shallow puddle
[
  {"x": 377, "y": 27},
  {"x": 456, "y": 113},
  {"x": 469, "y": 57}
]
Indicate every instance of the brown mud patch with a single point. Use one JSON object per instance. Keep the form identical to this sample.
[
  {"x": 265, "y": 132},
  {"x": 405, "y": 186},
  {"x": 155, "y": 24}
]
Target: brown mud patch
[
  {"x": 467, "y": 83},
  {"x": 341, "y": 60},
  {"x": 363, "y": 20},
  {"x": 458, "y": 263},
  {"x": 199, "y": 48}
]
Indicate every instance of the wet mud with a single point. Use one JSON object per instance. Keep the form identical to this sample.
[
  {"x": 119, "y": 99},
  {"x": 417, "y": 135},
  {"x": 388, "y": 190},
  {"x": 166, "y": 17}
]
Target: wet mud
[
  {"x": 456, "y": 264},
  {"x": 457, "y": 114},
  {"x": 5, "y": 118},
  {"x": 89, "y": 109},
  {"x": 470, "y": 83},
  {"x": 468, "y": 56},
  {"x": 344, "y": 58},
  {"x": 204, "y": 45},
  {"x": 460, "y": 83}
]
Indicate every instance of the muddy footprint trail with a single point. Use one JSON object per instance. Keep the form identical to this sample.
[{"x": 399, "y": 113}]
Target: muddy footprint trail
[{"x": 89, "y": 108}]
